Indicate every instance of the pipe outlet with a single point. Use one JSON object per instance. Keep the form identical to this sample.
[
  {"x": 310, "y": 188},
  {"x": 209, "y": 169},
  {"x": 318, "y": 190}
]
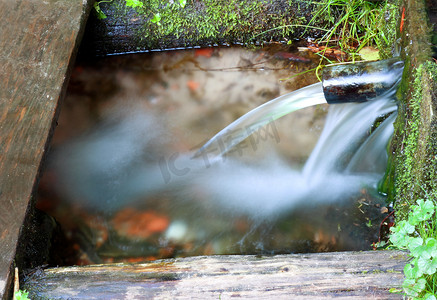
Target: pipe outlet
[{"x": 361, "y": 82}]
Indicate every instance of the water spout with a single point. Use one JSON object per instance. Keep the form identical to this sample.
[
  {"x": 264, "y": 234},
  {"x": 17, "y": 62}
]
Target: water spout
[
  {"x": 358, "y": 82},
  {"x": 362, "y": 81}
]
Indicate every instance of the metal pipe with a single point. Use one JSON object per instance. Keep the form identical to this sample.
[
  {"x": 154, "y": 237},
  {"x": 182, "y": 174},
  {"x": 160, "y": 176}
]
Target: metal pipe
[{"x": 361, "y": 82}]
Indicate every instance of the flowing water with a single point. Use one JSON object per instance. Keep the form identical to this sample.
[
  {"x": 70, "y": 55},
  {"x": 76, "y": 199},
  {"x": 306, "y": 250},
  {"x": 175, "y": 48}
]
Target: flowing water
[
  {"x": 261, "y": 116},
  {"x": 150, "y": 197},
  {"x": 107, "y": 168},
  {"x": 345, "y": 159}
]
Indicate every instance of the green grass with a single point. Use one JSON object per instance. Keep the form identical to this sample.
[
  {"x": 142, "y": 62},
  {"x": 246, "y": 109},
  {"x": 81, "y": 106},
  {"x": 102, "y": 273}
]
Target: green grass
[
  {"x": 349, "y": 26},
  {"x": 355, "y": 24},
  {"x": 21, "y": 295}
]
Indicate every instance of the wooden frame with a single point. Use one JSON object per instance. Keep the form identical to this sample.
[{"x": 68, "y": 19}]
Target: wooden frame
[{"x": 38, "y": 42}]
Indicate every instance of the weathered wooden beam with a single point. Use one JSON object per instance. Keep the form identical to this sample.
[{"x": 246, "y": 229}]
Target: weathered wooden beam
[
  {"x": 38, "y": 40},
  {"x": 351, "y": 275}
]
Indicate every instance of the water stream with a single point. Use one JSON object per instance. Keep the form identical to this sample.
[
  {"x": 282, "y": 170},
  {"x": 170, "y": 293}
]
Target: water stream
[
  {"x": 261, "y": 116},
  {"x": 345, "y": 159}
]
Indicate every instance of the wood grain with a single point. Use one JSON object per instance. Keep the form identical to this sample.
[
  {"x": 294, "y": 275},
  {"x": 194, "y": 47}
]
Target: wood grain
[
  {"x": 350, "y": 275},
  {"x": 38, "y": 40}
]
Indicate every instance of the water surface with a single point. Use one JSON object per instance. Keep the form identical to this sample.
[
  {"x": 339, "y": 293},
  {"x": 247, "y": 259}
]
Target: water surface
[{"x": 124, "y": 184}]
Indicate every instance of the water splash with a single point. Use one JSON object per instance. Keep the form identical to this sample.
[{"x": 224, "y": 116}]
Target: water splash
[
  {"x": 371, "y": 157},
  {"x": 346, "y": 127},
  {"x": 338, "y": 168}
]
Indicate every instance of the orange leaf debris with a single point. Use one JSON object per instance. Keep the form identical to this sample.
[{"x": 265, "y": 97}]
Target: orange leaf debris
[
  {"x": 206, "y": 52},
  {"x": 140, "y": 224},
  {"x": 401, "y": 27},
  {"x": 193, "y": 85}
]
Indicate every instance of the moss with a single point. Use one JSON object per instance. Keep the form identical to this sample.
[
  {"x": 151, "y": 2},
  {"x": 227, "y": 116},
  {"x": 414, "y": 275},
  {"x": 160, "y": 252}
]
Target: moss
[
  {"x": 413, "y": 171},
  {"x": 206, "y": 20},
  {"x": 388, "y": 35}
]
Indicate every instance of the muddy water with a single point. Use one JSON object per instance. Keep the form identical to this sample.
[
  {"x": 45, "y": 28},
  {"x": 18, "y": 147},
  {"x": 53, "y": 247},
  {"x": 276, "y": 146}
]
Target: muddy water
[{"x": 187, "y": 97}]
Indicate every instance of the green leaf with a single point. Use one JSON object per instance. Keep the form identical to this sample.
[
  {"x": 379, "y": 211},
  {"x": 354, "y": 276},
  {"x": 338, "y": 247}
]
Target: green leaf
[
  {"x": 400, "y": 234},
  {"x": 404, "y": 228},
  {"x": 410, "y": 271},
  {"x": 134, "y": 3},
  {"x": 182, "y": 3},
  {"x": 412, "y": 287},
  {"x": 427, "y": 265},
  {"x": 100, "y": 14},
  {"x": 156, "y": 19},
  {"x": 429, "y": 296},
  {"x": 21, "y": 295},
  {"x": 423, "y": 211},
  {"x": 416, "y": 247},
  {"x": 431, "y": 245},
  {"x": 399, "y": 240},
  {"x": 395, "y": 291},
  {"x": 427, "y": 251}
]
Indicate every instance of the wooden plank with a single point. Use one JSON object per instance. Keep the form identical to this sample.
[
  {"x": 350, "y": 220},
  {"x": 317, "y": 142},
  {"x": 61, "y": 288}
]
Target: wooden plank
[
  {"x": 38, "y": 40},
  {"x": 351, "y": 275}
]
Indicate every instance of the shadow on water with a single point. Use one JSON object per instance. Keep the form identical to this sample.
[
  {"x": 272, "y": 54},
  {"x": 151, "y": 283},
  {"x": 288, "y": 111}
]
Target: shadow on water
[{"x": 124, "y": 185}]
